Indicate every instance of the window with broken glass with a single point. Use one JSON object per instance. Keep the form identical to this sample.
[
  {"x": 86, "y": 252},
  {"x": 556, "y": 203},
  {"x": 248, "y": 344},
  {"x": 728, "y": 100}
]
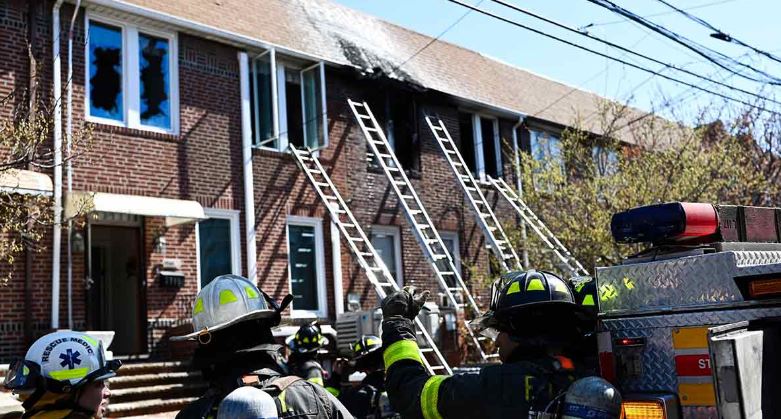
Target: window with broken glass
[
  {"x": 479, "y": 145},
  {"x": 131, "y": 76}
]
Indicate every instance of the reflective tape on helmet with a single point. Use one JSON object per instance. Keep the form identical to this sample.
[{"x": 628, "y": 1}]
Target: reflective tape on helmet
[
  {"x": 73, "y": 374},
  {"x": 227, "y": 297},
  {"x": 198, "y": 306},
  {"x": 429, "y": 397},
  {"x": 316, "y": 380},
  {"x": 588, "y": 300},
  {"x": 535, "y": 285},
  {"x": 371, "y": 341},
  {"x": 403, "y": 349},
  {"x": 514, "y": 287},
  {"x": 251, "y": 293}
]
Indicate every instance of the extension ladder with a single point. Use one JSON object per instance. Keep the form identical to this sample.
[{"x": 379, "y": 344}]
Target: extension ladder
[
  {"x": 426, "y": 234},
  {"x": 486, "y": 219},
  {"x": 567, "y": 261},
  {"x": 362, "y": 249}
]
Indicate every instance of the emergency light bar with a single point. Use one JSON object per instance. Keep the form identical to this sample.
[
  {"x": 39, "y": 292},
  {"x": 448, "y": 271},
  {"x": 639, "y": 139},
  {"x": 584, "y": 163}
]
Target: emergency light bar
[
  {"x": 675, "y": 221},
  {"x": 695, "y": 223}
]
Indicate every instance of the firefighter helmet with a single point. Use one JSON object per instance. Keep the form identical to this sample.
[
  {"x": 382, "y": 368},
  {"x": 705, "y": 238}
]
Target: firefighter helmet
[
  {"x": 60, "y": 362},
  {"x": 365, "y": 346},
  {"x": 247, "y": 402},
  {"x": 308, "y": 339},
  {"x": 517, "y": 293},
  {"x": 227, "y": 300},
  {"x": 585, "y": 292},
  {"x": 592, "y": 397}
]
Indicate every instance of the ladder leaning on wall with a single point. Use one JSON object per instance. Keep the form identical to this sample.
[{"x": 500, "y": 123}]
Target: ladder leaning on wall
[
  {"x": 425, "y": 232},
  {"x": 564, "y": 258},
  {"x": 363, "y": 251},
  {"x": 484, "y": 215}
]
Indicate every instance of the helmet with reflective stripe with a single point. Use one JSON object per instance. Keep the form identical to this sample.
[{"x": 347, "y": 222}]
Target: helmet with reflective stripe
[
  {"x": 61, "y": 362},
  {"x": 307, "y": 339},
  {"x": 366, "y": 345},
  {"x": 517, "y": 293},
  {"x": 585, "y": 292},
  {"x": 225, "y": 301}
]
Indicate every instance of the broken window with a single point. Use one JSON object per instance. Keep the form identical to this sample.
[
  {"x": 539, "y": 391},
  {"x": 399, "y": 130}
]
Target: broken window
[
  {"x": 262, "y": 85},
  {"x": 295, "y": 122},
  {"x": 132, "y": 76},
  {"x": 315, "y": 123},
  {"x": 491, "y": 152},
  {"x": 105, "y": 72},
  {"x": 154, "y": 81},
  {"x": 396, "y": 114},
  {"x": 467, "y": 141}
]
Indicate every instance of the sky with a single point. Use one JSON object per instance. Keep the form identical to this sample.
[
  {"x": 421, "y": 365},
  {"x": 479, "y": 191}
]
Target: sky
[{"x": 754, "y": 22}]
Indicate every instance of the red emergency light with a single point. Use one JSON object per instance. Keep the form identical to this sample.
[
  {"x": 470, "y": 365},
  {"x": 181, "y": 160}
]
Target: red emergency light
[{"x": 662, "y": 223}]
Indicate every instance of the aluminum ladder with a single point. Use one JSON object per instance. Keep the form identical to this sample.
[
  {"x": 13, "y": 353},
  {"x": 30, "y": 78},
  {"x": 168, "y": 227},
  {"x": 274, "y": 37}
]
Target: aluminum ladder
[
  {"x": 486, "y": 219},
  {"x": 362, "y": 249},
  {"x": 425, "y": 232},
  {"x": 567, "y": 261}
]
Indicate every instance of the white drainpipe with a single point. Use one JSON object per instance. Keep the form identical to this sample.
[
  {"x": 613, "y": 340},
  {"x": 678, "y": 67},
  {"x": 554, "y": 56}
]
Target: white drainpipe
[
  {"x": 336, "y": 258},
  {"x": 519, "y": 185},
  {"x": 69, "y": 166},
  {"x": 57, "y": 134},
  {"x": 246, "y": 152}
]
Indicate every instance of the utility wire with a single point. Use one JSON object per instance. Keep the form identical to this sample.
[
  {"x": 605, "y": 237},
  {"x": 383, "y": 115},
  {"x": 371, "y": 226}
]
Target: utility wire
[
  {"x": 719, "y": 34},
  {"x": 601, "y": 54},
  {"x": 715, "y": 57},
  {"x": 623, "y": 49},
  {"x": 699, "y": 6}
]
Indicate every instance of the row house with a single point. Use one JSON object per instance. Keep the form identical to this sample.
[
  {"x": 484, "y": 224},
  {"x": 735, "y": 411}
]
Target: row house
[{"x": 192, "y": 107}]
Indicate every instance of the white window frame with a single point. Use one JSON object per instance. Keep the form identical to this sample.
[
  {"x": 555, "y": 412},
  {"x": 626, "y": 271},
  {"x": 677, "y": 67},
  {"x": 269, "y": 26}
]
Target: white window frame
[
  {"x": 322, "y": 302},
  {"x": 453, "y": 235},
  {"x": 131, "y": 116},
  {"x": 275, "y": 119},
  {"x": 225, "y": 214},
  {"x": 321, "y": 66},
  {"x": 477, "y": 133},
  {"x": 394, "y": 232}
]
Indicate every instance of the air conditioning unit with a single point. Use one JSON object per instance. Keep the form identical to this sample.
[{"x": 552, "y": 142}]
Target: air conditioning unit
[{"x": 352, "y": 325}]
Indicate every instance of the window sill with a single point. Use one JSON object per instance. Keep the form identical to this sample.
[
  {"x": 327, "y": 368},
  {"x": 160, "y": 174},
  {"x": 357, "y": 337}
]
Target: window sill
[
  {"x": 135, "y": 132},
  {"x": 270, "y": 152}
]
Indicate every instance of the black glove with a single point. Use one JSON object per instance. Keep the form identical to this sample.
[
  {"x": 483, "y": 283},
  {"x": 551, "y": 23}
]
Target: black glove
[{"x": 405, "y": 303}]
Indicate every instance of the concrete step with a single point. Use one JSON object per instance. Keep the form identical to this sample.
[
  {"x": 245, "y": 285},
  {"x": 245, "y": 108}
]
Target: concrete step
[
  {"x": 127, "y": 381},
  {"x": 138, "y": 368},
  {"x": 145, "y": 407},
  {"x": 162, "y": 391}
]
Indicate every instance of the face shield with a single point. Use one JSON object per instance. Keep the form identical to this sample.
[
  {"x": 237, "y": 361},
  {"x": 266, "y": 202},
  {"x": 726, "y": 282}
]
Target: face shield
[{"x": 22, "y": 375}]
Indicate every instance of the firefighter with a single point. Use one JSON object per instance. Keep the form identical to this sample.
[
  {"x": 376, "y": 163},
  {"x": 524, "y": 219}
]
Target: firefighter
[
  {"x": 532, "y": 318},
  {"x": 232, "y": 320},
  {"x": 304, "y": 347},
  {"x": 63, "y": 375},
  {"x": 368, "y": 400}
]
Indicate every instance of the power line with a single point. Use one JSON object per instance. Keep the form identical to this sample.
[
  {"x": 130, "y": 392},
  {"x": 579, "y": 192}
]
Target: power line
[
  {"x": 635, "y": 66},
  {"x": 699, "y": 6},
  {"x": 622, "y": 48},
  {"x": 719, "y": 34},
  {"x": 715, "y": 57}
]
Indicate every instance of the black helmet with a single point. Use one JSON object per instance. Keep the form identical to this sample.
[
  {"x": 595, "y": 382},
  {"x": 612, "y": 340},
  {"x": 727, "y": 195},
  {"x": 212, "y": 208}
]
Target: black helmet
[
  {"x": 308, "y": 339},
  {"x": 365, "y": 346},
  {"x": 585, "y": 290},
  {"x": 525, "y": 303}
]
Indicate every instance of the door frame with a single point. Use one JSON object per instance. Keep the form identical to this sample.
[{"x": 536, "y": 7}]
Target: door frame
[{"x": 143, "y": 319}]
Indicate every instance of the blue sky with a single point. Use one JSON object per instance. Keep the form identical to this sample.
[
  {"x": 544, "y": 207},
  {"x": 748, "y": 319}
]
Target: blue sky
[{"x": 752, "y": 21}]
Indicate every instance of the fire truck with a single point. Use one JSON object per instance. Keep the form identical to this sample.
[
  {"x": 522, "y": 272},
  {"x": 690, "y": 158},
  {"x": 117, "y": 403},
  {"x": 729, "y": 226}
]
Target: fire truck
[{"x": 691, "y": 327}]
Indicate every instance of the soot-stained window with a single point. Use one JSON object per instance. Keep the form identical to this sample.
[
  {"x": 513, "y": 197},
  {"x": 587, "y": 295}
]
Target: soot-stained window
[
  {"x": 105, "y": 72},
  {"x": 154, "y": 81}
]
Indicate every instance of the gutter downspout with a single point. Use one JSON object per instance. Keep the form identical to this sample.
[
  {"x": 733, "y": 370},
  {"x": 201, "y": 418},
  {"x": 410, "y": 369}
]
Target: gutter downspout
[
  {"x": 57, "y": 135},
  {"x": 246, "y": 152},
  {"x": 519, "y": 185},
  {"x": 69, "y": 165}
]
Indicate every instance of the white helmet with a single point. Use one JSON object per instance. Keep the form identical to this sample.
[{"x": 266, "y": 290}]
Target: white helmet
[
  {"x": 247, "y": 403},
  {"x": 61, "y": 362},
  {"x": 227, "y": 300}
]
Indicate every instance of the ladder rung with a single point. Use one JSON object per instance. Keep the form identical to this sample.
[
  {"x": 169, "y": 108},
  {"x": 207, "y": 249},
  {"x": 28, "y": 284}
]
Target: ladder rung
[
  {"x": 364, "y": 116},
  {"x": 432, "y": 241},
  {"x": 376, "y": 268},
  {"x": 331, "y": 197},
  {"x": 506, "y": 256},
  {"x": 438, "y": 257},
  {"x": 400, "y": 182},
  {"x": 393, "y": 169},
  {"x": 471, "y": 189},
  {"x": 482, "y": 338},
  {"x": 437, "y": 367},
  {"x": 372, "y": 129},
  {"x": 304, "y": 158},
  {"x": 491, "y": 355},
  {"x": 485, "y": 214},
  {"x": 415, "y": 212},
  {"x": 384, "y": 156},
  {"x": 454, "y": 289},
  {"x": 407, "y": 197},
  {"x": 322, "y": 184},
  {"x": 426, "y": 350},
  {"x": 340, "y": 211},
  {"x": 450, "y": 151},
  {"x": 355, "y": 239},
  {"x": 423, "y": 226},
  {"x": 455, "y": 163},
  {"x": 447, "y": 273},
  {"x": 365, "y": 254},
  {"x": 385, "y": 284},
  {"x": 437, "y": 127},
  {"x": 348, "y": 225}
]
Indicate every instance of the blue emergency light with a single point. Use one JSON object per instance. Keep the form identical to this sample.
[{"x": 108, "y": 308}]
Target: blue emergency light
[{"x": 670, "y": 222}]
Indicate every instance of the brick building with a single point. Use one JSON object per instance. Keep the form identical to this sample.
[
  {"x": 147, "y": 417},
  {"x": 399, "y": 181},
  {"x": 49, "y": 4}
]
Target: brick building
[{"x": 192, "y": 106}]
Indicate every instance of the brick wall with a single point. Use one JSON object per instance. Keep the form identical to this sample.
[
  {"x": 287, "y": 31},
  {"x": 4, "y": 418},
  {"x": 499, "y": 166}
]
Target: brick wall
[{"x": 204, "y": 163}]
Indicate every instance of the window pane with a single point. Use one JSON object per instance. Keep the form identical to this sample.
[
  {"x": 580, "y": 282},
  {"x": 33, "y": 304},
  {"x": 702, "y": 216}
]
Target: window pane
[
  {"x": 105, "y": 71},
  {"x": 313, "y": 108},
  {"x": 605, "y": 160},
  {"x": 489, "y": 147},
  {"x": 261, "y": 102},
  {"x": 467, "y": 140},
  {"x": 303, "y": 268},
  {"x": 214, "y": 241},
  {"x": 385, "y": 246},
  {"x": 154, "y": 81}
]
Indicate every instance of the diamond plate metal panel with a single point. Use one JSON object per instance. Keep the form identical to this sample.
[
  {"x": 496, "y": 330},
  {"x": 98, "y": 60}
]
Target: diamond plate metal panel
[{"x": 677, "y": 283}]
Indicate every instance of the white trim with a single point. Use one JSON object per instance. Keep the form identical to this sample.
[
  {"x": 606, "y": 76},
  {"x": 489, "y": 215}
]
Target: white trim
[
  {"x": 498, "y": 149},
  {"x": 233, "y": 217},
  {"x": 282, "y": 106},
  {"x": 336, "y": 261},
  {"x": 456, "y": 256},
  {"x": 131, "y": 101},
  {"x": 246, "y": 154},
  {"x": 324, "y": 105},
  {"x": 477, "y": 133},
  {"x": 324, "y": 110},
  {"x": 322, "y": 303},
  {"x": 394, "y": 232},
  {"x": 256, "y": 141}
]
